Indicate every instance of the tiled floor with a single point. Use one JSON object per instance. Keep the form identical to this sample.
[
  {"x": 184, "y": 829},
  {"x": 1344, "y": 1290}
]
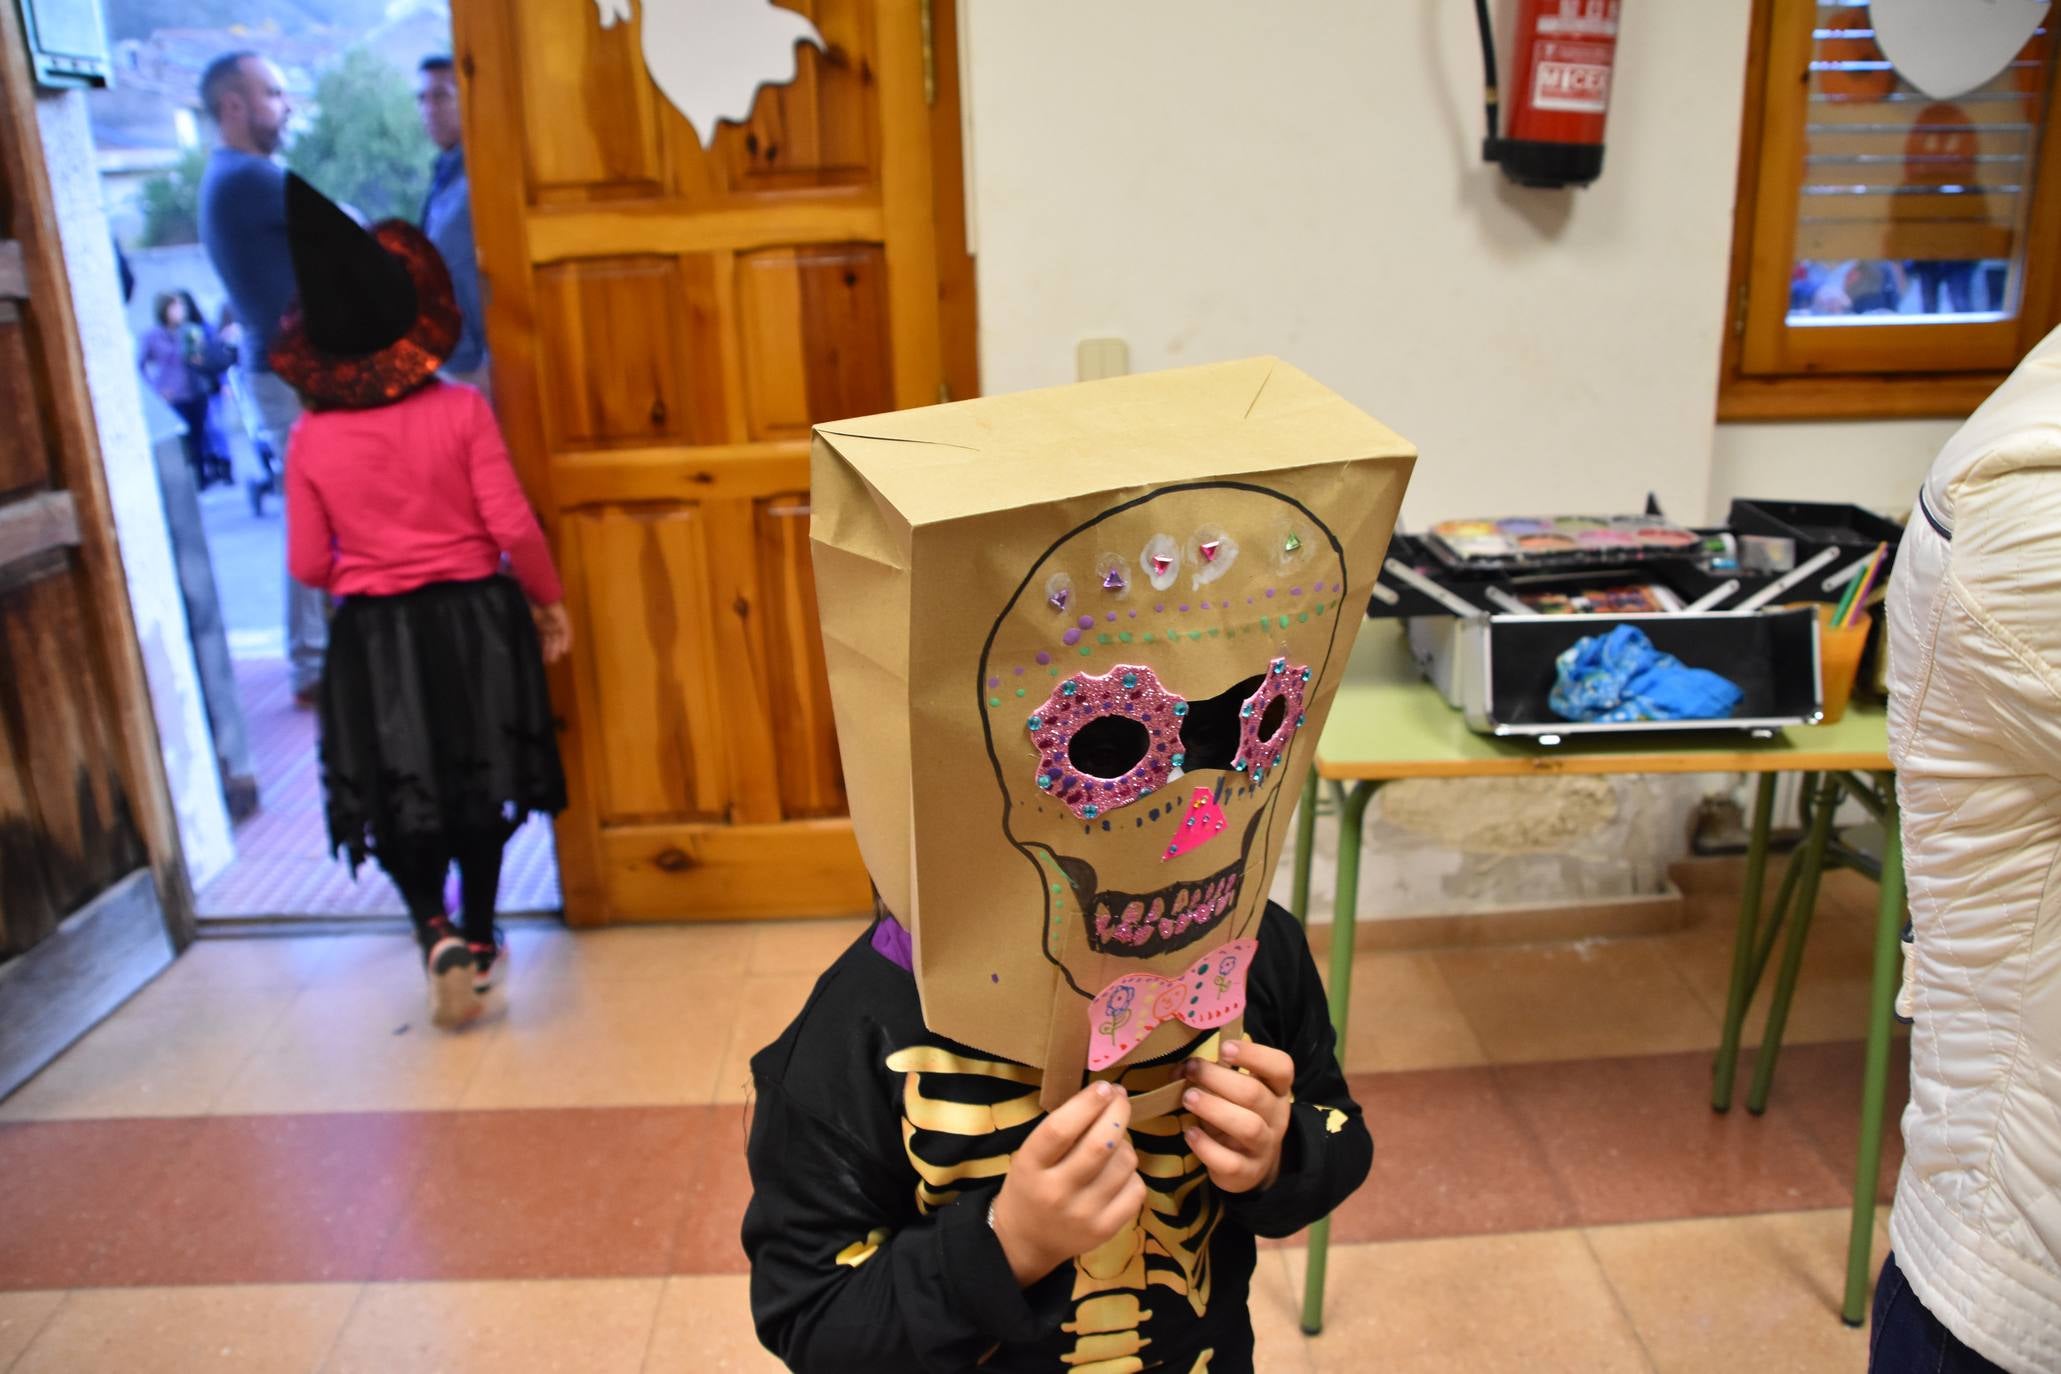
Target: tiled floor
[
  {"x": 283, "y": 866},
  {"x": 269, "y": 1161}
]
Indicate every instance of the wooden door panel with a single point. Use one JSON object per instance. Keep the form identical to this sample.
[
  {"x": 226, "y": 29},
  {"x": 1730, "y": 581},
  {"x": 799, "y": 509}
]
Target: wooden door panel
[
  {"x": 29, "y": 909},
  {"x": 815, "y": 328},
  {"x": 805, "y": 743},
  {"x": 668, "y": 322},
  {"x": 24, "y": 463},
  {"x": 58, "y": 705},
  {"x": 660, "y": 704},
  {"x": 794, "y": 868},
  {"x": 93, "y": 892},
  {"x": 590, "y": 118},
  {"x": 614, "y": 358},
  {"x": 819, "y": 132}
]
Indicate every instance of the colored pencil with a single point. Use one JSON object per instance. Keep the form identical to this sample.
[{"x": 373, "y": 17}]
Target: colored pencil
[
  {"x": 1853, "y": 587},
  {"x": 1857, "y": 596}
]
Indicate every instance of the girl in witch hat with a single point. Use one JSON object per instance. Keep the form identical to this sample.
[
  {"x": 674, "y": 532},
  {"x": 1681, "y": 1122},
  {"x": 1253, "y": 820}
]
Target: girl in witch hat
[{"x": 437, "y": 731}]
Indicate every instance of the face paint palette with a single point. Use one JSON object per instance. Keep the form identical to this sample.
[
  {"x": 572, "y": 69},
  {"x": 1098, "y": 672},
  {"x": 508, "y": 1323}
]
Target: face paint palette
[{"x": 1539, "y": 543}]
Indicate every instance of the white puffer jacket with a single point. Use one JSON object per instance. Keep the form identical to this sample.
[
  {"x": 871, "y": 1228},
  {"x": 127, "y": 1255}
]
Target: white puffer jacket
[{"x": 1975, "y": 731}]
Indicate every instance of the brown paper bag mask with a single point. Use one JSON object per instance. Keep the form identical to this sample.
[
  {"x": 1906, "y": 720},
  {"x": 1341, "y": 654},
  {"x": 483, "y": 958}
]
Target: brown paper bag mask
[{"x": 1081, "y": 643}]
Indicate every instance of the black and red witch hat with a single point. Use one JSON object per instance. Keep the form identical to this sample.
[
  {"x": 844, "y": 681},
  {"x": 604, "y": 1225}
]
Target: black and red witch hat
[{"x": 376, "y": 316}]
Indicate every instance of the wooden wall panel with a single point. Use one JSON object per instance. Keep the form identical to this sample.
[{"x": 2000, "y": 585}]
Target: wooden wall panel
[
  {"x": 614, "y": 358},
  {"x": 57, "y": 709},
  {"x": 805, "y": 737},
  {"x": 816, "y": 346},
  {"x": 660, "y": 709}
]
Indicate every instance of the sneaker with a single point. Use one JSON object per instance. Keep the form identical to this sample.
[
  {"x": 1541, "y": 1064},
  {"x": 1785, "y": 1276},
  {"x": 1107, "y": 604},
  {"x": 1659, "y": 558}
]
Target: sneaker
[
  {"x": 490, "y": 965},
  {"x": 452, "y": 1002}
]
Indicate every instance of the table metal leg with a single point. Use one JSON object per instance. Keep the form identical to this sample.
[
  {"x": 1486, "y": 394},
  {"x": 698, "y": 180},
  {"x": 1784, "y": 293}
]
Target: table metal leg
[
  {"x": 1889, "y": 923},
  {"x": 1828, "y": 793},
  {"x": 1305, "y": 848},
  {"x": 1741, "y": 994},
  {"x": 1345, "y": 904}
]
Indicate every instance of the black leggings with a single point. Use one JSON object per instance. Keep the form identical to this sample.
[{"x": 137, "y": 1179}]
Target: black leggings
[
  {"x": 418, "y": 868},
  {"x": 194, "y": 413}
]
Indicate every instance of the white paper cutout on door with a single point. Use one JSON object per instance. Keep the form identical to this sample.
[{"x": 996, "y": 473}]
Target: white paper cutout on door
[
  {"x": 709, "y": 57},
  {"x": 1947, "y": 48}
]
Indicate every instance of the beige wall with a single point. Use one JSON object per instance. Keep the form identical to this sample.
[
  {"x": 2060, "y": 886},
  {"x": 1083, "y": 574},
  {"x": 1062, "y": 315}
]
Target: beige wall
[
  {"x": 1215, "y": 178},
  {"x": 1875, "y": 463}
]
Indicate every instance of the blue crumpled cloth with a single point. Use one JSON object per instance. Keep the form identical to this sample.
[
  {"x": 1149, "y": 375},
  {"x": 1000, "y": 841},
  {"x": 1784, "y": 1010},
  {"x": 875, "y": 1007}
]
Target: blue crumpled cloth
[{"x": 1622, "y": 677}]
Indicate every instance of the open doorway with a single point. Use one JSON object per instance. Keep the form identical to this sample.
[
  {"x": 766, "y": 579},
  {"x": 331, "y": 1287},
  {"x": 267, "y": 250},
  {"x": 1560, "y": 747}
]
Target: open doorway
[{"x": 350, "y": 70}]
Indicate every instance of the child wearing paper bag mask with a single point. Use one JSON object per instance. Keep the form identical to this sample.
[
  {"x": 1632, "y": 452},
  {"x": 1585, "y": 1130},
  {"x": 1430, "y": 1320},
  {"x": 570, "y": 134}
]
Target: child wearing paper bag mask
[{"x": 1080, "y": 644}]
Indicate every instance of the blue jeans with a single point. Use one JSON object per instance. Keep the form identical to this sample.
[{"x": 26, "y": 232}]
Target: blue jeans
[
  {"x": 307, "y": 608},
  {"x": 1907, "y": 1339}
]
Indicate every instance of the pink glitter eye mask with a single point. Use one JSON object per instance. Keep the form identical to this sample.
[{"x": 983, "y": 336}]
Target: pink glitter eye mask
[{"x": 1105, "y": 741}]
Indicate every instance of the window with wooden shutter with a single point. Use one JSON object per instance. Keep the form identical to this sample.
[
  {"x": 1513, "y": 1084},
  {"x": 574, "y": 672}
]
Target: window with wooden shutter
[{"x": 1893, "y": 254}]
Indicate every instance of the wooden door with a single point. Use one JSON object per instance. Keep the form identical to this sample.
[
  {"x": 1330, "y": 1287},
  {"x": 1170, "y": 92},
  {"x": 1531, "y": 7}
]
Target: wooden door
[
  {"x": 666, "y": 321},
  {"x": 89, "y": 861}
]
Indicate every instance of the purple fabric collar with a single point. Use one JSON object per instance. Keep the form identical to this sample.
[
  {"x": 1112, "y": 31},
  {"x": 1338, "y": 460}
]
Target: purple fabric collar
[{"x": 892, "y": 943}]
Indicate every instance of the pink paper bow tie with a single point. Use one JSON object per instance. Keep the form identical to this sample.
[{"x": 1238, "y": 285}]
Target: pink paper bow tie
[{"x": 1208, "y": 992}]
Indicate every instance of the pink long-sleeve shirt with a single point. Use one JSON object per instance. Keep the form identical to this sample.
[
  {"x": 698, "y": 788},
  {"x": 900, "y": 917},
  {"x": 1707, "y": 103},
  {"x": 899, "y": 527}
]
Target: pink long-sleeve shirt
[{"x": 380, "y": 502}]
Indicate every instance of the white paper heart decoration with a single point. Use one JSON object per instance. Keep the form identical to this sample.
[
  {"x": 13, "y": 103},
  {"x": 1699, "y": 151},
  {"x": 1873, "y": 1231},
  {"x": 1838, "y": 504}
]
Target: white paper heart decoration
[
  {"x": 1949, "y": 47},
  {"x": 709, "y": 57}
]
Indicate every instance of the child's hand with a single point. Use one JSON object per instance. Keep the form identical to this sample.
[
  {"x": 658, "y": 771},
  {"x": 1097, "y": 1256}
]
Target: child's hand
[
  {"x": 1244, "y": 1115},
  {"x": 1072, "y": 1185},
  {"x": 554, "y": 630}
]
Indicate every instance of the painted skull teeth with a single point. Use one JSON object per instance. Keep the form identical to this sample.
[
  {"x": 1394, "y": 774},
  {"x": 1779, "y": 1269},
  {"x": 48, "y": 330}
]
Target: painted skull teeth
[{"x": 1194, "y": 905}]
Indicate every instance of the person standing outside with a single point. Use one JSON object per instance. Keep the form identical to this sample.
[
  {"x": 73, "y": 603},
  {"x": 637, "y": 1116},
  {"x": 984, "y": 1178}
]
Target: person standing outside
[
  {"x": 447, "y": 214},
  {"x": 243, "y": 226},
  {"x": 164, "y": 359}
]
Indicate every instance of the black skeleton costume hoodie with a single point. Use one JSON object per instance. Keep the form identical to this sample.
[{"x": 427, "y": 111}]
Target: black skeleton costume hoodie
[{"x": 876, "y": 1147}]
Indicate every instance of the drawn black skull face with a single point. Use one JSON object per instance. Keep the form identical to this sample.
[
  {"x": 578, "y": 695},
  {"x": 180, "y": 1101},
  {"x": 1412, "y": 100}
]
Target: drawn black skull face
[{"x": 1141, "y": 691}]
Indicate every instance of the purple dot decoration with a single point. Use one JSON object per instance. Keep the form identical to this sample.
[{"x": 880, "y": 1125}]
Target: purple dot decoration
[
  {"x": 1019, "y": 670},
  {"x": 1083, "y": 699},
  {"x": 1070, "y": 638},
  {"x": 1184, "y": 608},
  {"x": 1112, "y": 617},
  {"x": 1043, "y": 658},
  {"x": 1295, "y": 591},
  {"x": 994, "y": 682},
  {"x": 1270, "y": 591},
  {"x": 1087, "y": 622}
]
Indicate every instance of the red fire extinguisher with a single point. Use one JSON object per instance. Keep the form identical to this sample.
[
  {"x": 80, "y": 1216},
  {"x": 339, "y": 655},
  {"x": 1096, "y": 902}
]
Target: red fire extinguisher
[{"x": 1561, "y": 90}]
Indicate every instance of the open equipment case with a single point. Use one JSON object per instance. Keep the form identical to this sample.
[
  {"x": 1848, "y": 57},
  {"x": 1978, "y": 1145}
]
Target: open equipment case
[{"x": 1476, "y": 629}]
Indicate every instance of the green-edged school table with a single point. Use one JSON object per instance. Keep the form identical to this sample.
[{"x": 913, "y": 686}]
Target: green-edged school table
[{"x": 1389, "y": 723}]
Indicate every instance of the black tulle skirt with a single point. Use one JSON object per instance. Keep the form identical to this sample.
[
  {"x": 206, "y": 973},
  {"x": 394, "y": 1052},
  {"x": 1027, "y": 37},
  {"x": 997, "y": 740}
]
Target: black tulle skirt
[{"x": 436, "y": 721}]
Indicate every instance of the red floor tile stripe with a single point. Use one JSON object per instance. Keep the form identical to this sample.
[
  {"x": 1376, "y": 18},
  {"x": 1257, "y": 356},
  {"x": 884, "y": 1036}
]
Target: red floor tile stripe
[{"x": 617, "y": 1192}]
